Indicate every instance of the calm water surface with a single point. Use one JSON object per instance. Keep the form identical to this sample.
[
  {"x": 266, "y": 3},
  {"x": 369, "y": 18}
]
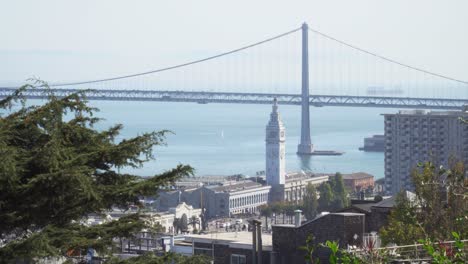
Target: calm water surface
[{"x": 225, "y": 139}]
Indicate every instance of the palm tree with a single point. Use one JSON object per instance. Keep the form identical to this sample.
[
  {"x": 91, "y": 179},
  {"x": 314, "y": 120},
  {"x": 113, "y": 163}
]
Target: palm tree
[
  {"x": 265, "y": 211},
  {"x": 194, "y": 221}
]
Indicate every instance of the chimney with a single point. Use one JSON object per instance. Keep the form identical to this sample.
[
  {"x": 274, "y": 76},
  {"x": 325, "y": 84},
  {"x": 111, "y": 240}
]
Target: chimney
[
  {"x": 256, "y": 241},
  {"x": 297, "y": 217}
]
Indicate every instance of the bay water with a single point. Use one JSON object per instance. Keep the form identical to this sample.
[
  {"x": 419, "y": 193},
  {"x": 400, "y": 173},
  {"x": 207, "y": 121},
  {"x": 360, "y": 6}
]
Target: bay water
[{"x": 227, "y": 139}]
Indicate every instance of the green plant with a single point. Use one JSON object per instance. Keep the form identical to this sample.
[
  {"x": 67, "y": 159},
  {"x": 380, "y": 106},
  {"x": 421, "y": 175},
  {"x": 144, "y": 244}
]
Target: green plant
[
  {"x": 442, "y": 253},
  {"x": 310, "y": 248},
  {"x": 349, "y": 258},
  {"x": 56, "y": 168},
  {"x": 334, "y": 248}
]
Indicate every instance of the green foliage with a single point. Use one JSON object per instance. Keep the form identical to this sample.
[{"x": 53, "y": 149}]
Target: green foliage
[
  {"x": 326, "y": 197},
  {"x": 310, "y": 202},
  {"x": 310, "y": 247},
  {"x": 378, "y": 198},
  {"x": 439, "y": 207},
  {"x": 150, "y": 258},
  {"x": 337, "y": 255},
  {"x": 194, "y": 221},
  {"x": 334, "y": 247},
  {"x": 265, "y": 211},
  {"x": 55, "y": 169},
  {"x": 441, "y": 253},
  {"x": 403, "y": 227},
  {"x": 176, "y": 225},
  {"x": 183, "y": 223},
  {"x": 333, "y": 195}
]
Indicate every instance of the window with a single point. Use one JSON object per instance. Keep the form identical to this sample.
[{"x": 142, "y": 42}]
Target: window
[{"x": 238, "y": 259}]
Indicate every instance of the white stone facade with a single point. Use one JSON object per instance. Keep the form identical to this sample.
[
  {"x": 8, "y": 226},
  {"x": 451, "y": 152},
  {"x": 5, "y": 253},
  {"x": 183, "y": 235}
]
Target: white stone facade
[
  {"x": 296, "y": 184},
  {"x": 275, "y": 149}
]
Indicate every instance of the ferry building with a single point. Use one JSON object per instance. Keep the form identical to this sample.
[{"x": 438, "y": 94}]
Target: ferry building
[{"x": 227, "y": 198}]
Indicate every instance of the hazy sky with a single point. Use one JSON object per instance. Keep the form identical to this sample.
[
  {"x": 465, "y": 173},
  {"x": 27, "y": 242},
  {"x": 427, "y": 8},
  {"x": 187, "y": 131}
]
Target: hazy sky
[{"x": 76, "y": 40}]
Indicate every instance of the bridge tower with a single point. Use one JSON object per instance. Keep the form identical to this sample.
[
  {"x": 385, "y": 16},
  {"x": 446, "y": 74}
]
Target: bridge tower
[{"x": 305, "y": 147}]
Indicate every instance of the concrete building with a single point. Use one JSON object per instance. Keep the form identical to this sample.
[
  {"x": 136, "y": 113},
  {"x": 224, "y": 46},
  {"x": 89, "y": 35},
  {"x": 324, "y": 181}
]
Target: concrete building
[
  {"x": 418, "y": 136},
  {"x": 236, "y": 197},
  {"x": 223, "y": 199},
  {"x": 295, "y": 187}
]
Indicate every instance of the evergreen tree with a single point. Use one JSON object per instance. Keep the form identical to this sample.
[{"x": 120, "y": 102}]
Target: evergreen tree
[
  {"x": 55, "y": 169},
  {"x": 403, "y": 227},
  {"x": 184, "y": 223},
  {"x": 326, "y": 197},
  {"x": 310, "y": 202},
  {"x": 336, "y": 204},
  {"x": 339, "y": 192}
]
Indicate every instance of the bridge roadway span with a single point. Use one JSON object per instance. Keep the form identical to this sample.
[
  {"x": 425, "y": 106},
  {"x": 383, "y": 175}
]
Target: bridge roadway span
[{"x": 250, "y": 98}]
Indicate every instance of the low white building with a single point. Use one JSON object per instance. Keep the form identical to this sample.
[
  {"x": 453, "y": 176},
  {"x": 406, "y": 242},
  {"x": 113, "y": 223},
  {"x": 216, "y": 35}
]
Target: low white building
[{"x": 165, "y": 218}]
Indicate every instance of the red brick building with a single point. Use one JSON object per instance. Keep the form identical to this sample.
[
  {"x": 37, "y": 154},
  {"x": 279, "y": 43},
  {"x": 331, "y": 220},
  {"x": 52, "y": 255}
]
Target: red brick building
[{"x": 358, "y": 181}]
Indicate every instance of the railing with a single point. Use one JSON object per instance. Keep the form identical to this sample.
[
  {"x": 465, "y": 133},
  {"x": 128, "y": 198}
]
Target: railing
[
  {"x": 249, "y": 98},
  {"x": 401, "y": 254}
]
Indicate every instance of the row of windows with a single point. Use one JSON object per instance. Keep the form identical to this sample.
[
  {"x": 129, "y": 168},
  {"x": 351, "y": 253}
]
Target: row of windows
[{"x": 248, "y": 200}]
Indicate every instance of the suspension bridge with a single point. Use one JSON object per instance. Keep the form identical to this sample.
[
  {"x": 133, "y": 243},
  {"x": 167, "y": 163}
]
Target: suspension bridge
[{"x": 341, "y": 74}]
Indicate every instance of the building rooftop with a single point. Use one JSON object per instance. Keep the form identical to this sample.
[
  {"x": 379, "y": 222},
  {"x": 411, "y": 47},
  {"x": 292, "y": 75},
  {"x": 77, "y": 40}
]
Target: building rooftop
[
  {"x": 391, "y": 202},
  {"x": 357, "y": 176},
  {"x": 297, "y": 176},
  {"x": 432, "y": 113},
  {"x": 366, "y": 207},
  {"x": 242, "y": 239},
  {"x": 234, "y": 186}
]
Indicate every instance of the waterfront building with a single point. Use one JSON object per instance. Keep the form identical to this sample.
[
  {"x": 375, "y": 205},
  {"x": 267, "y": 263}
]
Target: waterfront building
[
  {"x": 418, "y": 136},
  {"x": 171, "y": 198},
  {"x": 234, "y": 197},
  {"x": 295, "y": 185},
  {"x": 375, "y": 143},
  {"x": 284, "y": 186},
  {"x": 358, "y": 181},
  {"x": 237, "y": 195},
  {"x": 275, "y": 149},
  {"x": 223, "y": 199}
]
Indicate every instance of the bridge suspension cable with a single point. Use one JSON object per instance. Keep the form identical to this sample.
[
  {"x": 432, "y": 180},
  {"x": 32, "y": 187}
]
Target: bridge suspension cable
[
  {"x": 180, "y": 65},
  {"x": 386, "y": 58}
]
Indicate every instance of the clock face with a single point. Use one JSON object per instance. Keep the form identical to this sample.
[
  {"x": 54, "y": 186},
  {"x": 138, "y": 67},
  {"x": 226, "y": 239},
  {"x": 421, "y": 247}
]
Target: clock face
[
  {"x": 272, "y": 134},
  {"x": 282, "y": 133}
]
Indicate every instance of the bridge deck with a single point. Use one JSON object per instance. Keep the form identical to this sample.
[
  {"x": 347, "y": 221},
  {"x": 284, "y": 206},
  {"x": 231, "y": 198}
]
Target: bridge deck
[{"x": 251, "y": 98}]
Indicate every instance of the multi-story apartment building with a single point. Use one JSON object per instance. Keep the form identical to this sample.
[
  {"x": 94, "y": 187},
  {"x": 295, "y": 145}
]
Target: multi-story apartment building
[{"x": 417, "y": 136}]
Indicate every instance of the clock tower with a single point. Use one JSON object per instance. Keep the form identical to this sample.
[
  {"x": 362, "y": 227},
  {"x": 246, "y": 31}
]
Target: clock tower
[{"x": 275, "y": 148}]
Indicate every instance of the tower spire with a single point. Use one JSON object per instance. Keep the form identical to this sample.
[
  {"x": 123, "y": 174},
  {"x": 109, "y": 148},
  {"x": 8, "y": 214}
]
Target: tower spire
[{"x": 275, "y": 148}]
